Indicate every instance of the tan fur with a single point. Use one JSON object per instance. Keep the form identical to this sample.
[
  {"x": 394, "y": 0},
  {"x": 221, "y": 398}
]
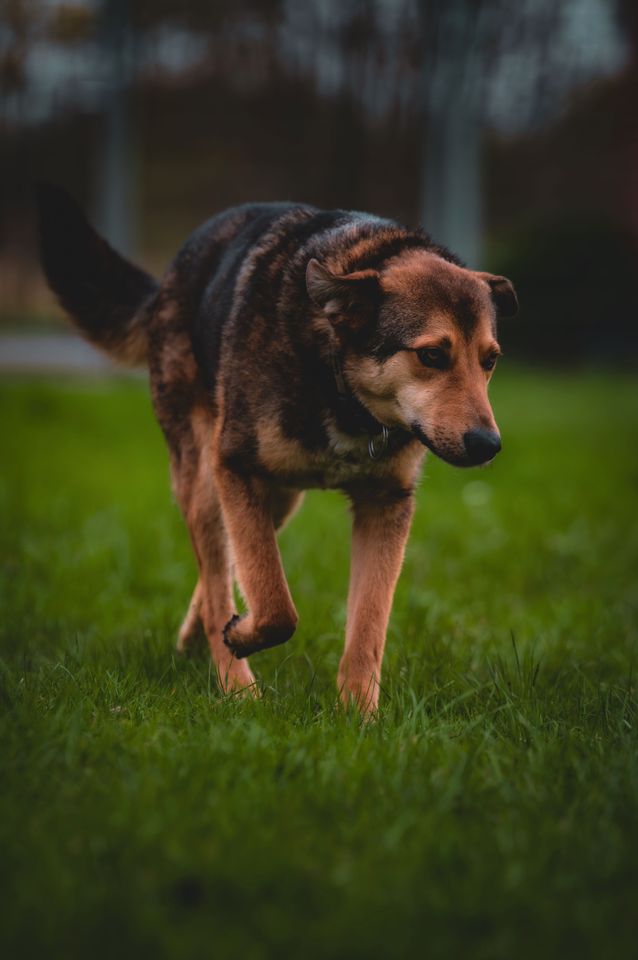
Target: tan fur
[
  {"x": 292, "y": 348},
  {"x": 379, "y": 535},
  {"x": 271, "y": 616},
  {"x": 132, "y": 350},
  {"x": 229, "y": 512},
  {"x": 401, "y": 391},
  {"x": 347, "y": 459},
  {"x": 212, "y": 600}
]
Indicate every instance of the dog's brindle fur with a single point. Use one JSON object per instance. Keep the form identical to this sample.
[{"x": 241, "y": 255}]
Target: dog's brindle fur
[{"x": 280, "y": 342}]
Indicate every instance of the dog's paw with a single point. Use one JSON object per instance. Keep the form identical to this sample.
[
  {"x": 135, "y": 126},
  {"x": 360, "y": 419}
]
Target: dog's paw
[
  {"x": 230, "y": 636},
  {"x": 243, "y": 638},
  {"x": 359, "y": 689},
  {"x": 236, "y": 678},
  {"x": 191, "y": 637}
]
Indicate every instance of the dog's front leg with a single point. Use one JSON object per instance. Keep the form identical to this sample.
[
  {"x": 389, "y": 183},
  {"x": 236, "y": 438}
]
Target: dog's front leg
[
  {"x": 379, "y": 534},
  {"x": 271, "y": 618}
]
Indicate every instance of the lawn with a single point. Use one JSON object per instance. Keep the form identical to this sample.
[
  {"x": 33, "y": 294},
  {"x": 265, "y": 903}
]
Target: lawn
[{"x": 490, "y": 812}]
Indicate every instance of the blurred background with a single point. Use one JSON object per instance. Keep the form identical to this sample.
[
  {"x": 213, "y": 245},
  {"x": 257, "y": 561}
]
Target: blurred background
[
  {"x": 493, "y": 811},
  {"x": 509, "y": 131}
]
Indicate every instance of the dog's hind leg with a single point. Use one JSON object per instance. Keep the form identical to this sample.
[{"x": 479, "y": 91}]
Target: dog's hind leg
[
  {"x": 379, "y": 534},
  {"x": 191, "y": 622},
  {"x": 212, "y": 600},
  {"x": 284, "y": 503}
]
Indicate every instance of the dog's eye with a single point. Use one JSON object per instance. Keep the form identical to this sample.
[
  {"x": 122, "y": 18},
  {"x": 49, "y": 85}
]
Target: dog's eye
[
  {"x": 490, "y": 361},
  {"x": 433, "y": 357}
]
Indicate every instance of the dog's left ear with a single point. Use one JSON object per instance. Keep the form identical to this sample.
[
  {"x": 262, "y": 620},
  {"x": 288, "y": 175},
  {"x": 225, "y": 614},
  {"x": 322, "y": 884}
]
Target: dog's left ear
[
  {"x": 503, "y": 295},
  {"x": 354, "y": 296}
]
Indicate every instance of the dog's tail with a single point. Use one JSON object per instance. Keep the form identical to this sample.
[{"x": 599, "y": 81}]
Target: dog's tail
[{"x": 107, "y": 297}]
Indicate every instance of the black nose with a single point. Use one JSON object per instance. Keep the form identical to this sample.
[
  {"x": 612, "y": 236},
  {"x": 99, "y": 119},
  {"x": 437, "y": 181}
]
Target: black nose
[{"x": 481, "y": 445}]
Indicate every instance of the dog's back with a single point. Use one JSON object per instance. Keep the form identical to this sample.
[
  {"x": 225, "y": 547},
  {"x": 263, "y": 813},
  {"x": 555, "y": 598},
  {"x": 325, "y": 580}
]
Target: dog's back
[{"x": 251, "y": 256}]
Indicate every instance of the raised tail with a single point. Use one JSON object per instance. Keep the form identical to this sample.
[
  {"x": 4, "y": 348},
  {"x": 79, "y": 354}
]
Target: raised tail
[{"x": 107, "y": 297}]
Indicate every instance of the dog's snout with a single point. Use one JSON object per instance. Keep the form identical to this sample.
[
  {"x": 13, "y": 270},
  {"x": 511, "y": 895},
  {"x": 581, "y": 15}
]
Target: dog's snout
[{"x": 481, "y": 444}]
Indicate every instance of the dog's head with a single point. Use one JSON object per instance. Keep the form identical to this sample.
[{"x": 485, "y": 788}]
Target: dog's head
[{"x": 418, "y": 340}]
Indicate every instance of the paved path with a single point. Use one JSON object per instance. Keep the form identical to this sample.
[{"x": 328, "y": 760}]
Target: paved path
[{"x": 51, "y": 353}]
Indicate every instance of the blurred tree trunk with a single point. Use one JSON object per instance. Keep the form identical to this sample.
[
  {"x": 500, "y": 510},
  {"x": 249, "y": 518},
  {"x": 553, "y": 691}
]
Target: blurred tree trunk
[
  {"x": 451, "y": 192},
  {"x": 117, "y": 163}
]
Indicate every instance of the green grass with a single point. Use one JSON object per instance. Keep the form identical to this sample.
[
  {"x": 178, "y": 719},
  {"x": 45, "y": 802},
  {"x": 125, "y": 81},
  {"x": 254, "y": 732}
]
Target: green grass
[{"x": 492, "y": 811}]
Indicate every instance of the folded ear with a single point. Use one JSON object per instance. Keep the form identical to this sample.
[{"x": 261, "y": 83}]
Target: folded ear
[
  {"x": 351, "y": 294},
  {"x": 503, "y": 295}
]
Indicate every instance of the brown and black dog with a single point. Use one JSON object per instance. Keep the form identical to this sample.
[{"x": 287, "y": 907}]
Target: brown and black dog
[{"x": 289, "y": 348}]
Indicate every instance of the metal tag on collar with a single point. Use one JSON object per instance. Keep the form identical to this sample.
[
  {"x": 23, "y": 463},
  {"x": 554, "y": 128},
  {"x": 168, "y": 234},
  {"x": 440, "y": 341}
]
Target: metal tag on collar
[{"x": 382, "y": 441}]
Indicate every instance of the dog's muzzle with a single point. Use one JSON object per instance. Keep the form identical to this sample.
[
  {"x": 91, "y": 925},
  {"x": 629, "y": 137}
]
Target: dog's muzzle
[{"x": 479, "y": 446}]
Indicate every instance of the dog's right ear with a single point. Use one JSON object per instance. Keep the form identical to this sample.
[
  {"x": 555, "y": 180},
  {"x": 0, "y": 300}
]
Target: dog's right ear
[{"x": 353, "y": 297}]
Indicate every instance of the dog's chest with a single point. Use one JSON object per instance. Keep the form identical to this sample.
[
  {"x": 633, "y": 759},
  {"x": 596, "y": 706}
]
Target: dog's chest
[
  {"x": 337, "y": 471},
  {"x": 343, "y": 460}
]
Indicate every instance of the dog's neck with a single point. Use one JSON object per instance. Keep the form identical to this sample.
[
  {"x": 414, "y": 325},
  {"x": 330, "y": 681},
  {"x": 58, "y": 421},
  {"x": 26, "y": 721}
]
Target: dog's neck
[{"x": 356, "y": 416}]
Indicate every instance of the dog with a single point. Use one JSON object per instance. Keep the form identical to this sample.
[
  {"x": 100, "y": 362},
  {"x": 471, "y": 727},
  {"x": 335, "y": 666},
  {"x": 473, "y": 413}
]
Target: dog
[{"x": 293, "y": 348}]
